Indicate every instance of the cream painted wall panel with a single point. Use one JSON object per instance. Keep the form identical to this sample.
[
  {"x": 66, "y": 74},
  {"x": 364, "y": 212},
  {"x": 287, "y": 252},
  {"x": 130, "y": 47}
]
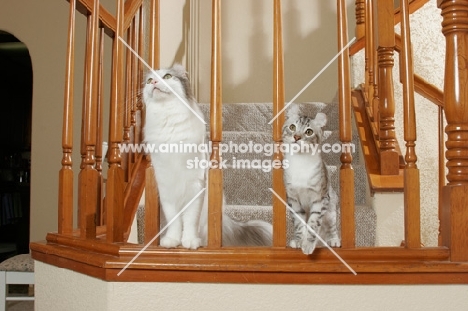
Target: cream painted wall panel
[{"x": 60, "y": 289}]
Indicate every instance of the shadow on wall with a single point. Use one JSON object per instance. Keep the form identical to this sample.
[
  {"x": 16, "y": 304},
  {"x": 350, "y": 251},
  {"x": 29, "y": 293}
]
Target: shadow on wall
[{"x": 306, "y": 52}]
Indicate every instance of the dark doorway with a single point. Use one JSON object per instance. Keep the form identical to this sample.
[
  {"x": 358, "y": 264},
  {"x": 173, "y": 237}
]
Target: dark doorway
[{"x": 15, "y": 139}]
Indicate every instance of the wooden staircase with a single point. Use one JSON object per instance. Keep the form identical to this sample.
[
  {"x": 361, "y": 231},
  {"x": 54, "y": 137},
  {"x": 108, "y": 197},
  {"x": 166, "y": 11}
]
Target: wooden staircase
[{"x": 100, "y": 249}]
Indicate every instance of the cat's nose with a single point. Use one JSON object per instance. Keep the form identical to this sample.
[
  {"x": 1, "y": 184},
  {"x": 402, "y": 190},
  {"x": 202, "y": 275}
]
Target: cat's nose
[{"x": 297, "y": 137}]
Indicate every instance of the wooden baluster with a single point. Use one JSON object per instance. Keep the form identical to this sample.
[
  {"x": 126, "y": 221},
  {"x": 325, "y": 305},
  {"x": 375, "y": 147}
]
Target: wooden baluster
[
  {"x": 89, "y": 176},
  {"x": 115, "y": 173},
  {"x": 370, "y": 57},
  {"x": 441, "y": 141},
  {"x": 100, "y": 126},
  {"x": 279, "y": 210},
  {"x": 137, "y": 117},
  {"x": 127, "y": 103},
  {"x": 84, "y": 110},
  {"x": 361, "y": 18},
  {"x": 455, "y": 193},
  {"x": 389, "y": 160},
  {"x": 65, "y": 202},
  {"x": 154, "y": 52},
  {"x": 136, "y": 84},
  {"x": 411, "y": 172},
  {"x": 152, "y": 213},
  {"x": 215, "y": 174},
  {"x": 346, "y": 170},
  {"x": 375, "y": 100}
]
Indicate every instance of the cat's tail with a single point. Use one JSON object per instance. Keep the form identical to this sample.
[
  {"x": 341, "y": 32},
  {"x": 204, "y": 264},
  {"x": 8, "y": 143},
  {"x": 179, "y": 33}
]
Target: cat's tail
[
  {"x": 249, "y": 233},
  {"x": 237, "y": 233}
]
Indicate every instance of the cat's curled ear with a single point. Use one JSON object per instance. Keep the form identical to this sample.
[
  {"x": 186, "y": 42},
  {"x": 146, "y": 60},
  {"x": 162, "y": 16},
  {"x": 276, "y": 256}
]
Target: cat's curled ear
[
  {"x": 320, "y": 119},
  {"x": 180, "y": 70},
  {"x": 293, "y": 112}
]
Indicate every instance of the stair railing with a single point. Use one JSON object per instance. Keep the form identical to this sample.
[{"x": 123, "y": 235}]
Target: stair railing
[{"x": 98, "y": 246}]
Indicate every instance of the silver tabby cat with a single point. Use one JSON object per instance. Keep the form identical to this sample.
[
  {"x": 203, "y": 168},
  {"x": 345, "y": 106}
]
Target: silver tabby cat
[
  {"x": 308, "y": 187},
  {"x": 172, "y": 119}
]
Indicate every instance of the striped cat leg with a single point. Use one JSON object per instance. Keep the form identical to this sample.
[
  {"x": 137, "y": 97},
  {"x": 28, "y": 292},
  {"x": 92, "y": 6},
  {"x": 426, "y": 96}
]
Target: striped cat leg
[
  {"x": 313, "y": 227},
  {"x": 329, "y": 231},
  {"x": 299, "y": 218}
]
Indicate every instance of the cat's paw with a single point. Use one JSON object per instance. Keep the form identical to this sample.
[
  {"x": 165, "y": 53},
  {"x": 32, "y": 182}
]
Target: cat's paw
[
  {"x": 168, "y": 242},
  {"x": 308, "y": 247},
  {"x": 191, "y": 243},
  {"x": 295, "y": 244},
  {"x": 335, "y": 242}
]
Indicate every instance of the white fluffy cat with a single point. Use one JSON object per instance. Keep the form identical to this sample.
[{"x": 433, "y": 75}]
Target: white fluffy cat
[{"x": 172, "y": 119}]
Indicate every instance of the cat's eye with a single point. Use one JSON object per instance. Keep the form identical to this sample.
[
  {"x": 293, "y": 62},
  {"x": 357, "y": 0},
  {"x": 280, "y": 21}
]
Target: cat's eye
[
  {"x": 167, "y": 76},
  {"x": 292, "y": 127},
  {"x": 149, "y": 80},
  {"x": 309, "y": 132}
]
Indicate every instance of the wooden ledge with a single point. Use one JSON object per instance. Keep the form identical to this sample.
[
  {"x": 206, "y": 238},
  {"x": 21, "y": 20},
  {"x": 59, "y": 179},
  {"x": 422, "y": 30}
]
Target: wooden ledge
[{"x": 390, "y": 265}]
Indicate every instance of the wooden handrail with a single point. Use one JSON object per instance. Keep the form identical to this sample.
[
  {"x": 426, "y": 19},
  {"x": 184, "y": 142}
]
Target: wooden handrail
[
  {"x": 131, "y": 8},
  {"x": 413, "y": 6},
  {"x": 107, "y": 19}
]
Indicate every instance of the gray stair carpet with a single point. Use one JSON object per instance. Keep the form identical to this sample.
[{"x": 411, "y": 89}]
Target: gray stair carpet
[{"x": 246, "y": 189}]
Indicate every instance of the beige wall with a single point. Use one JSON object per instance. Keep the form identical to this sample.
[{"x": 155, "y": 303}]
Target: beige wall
[{"x": 247, "y": 40}]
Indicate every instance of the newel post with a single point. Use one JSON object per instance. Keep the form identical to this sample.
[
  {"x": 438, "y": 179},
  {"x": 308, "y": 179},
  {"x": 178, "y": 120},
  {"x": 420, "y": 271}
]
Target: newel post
[{"x": 454, "y": 215}]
